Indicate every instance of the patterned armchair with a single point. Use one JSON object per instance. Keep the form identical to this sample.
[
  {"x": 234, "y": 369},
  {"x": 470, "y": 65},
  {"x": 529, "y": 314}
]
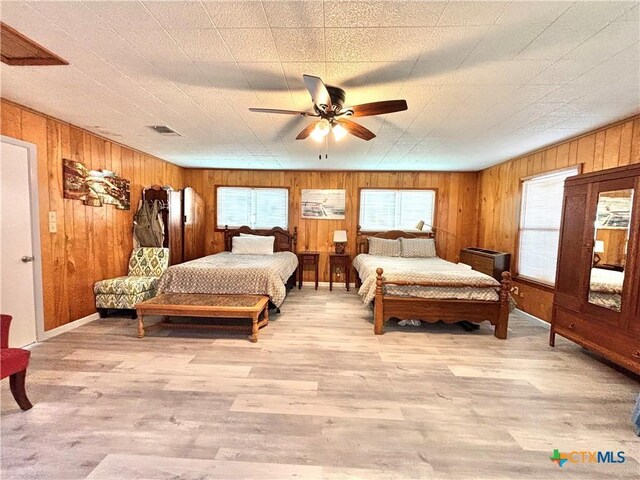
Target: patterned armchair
[{"x": 146, "y": 265}]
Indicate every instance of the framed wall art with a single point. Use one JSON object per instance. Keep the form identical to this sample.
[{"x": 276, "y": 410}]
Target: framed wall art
[
  {"x": 323, "y": 204},
  {"x": 95, "y": 187}
]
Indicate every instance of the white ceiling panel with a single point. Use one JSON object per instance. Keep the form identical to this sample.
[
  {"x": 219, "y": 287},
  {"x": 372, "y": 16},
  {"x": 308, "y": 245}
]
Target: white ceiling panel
[
  {"x": 563, "y": 71},
  {"x": 290, "y": 14},
  {"x": 532, "y": 12},
  {"x": 250, "y": 44},
  {"x": 176, "y": 14},
  {"x": 483, "y": 80},
  {"x": 375, "y": 44},
  {"x": 594, "y": 13},
  {"x": 504, "y": 42},
  {"x": 382, "y": 14},
  {"x": 299, "y": 44},
  {"x": 265, "y": 77},
  {"x": 557, "y": 40},
  {"x": 201, "y": 45},
  {"x": 472, "y": 13},
  {"x": 609, "y": 41},
  {"x": 245, "y": 14},
  {"x": 122, "y": 16}
]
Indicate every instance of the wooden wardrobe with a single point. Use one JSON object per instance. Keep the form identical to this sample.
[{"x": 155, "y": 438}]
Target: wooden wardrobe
[
  {"x": 183, "y": 216},
  {"x": 597, "y": 295}
]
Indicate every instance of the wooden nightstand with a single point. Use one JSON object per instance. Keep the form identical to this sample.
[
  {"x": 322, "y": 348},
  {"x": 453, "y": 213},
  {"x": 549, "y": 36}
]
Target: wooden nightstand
[
  {"x": 337, "y": 260},
  {"x": 307, "y": 258}
]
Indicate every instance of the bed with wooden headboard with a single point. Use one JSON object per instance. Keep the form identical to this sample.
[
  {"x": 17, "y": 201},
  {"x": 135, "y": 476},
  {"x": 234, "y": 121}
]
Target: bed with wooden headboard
[
  {"x": 226, "y": 273},
  {"x": 285, "y": 241},
  {"x": 404, "y": 293}
]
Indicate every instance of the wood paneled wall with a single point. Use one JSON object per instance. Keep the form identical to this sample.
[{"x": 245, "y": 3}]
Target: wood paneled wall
[
  {"x": 456, "y": 208},
  {"x": 499, "y": 190},
  {"x": 91, "y": 243}
]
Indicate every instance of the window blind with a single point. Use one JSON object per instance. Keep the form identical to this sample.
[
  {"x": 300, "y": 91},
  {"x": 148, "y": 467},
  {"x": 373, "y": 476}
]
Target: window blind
[
  {"x": 540, "y": 225},
  {"x": 259, "y": 208},
  {"x": 396, "y": 209}
]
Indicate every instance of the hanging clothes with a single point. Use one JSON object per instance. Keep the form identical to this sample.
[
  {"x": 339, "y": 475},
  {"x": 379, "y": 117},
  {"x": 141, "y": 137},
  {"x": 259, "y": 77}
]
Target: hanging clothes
[{"x": 148, "y": 228}]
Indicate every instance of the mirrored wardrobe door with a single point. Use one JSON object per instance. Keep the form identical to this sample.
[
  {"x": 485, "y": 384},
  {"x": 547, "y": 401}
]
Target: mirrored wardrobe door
[{"x": 612, "y": 227}]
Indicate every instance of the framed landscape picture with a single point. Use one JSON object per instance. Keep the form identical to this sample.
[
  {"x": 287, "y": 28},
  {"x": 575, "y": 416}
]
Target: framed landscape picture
[{"x": 323, "y": 204}]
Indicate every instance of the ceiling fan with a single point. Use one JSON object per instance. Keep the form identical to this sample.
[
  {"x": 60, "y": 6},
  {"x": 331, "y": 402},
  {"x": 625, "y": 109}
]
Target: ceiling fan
[{"x": 328, "y": 106}]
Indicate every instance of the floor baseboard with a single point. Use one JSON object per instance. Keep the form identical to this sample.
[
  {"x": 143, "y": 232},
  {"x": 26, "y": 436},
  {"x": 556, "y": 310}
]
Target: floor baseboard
[
  {"x": 533, "y": 317},
  {"x": 69, "y": 326}
]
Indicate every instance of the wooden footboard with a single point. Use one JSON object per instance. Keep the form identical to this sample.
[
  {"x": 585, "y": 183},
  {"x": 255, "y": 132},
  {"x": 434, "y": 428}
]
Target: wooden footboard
[{"x": 433, "y": 310}]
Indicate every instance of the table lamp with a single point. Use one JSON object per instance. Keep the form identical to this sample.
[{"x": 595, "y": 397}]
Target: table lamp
[{"x": 339, "y": 240}]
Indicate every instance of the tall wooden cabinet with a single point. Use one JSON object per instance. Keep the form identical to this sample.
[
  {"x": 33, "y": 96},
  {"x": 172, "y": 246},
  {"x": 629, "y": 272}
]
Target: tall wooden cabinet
[
  {"x": 183, "y": 216},
  {"x": 192, "y": 225},
  {"x": 597, "y": 304}
]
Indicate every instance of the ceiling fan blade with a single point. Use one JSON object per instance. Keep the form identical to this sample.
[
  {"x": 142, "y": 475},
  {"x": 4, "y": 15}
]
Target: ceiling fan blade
[
  {"x": 378, "y": 108},
  {"x": 318, "y": 90},
  {"x": 306, "y": 131},
  {"x": 356, "y": 129},
  {"x": 283, "y": 112}
]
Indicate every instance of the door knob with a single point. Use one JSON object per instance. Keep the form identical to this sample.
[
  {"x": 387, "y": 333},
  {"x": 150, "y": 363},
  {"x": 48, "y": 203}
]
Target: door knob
[{"x": 27, "y": 259}]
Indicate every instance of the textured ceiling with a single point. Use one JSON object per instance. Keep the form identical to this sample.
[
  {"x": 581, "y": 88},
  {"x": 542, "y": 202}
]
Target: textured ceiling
[{"x": 484, "y": 81}]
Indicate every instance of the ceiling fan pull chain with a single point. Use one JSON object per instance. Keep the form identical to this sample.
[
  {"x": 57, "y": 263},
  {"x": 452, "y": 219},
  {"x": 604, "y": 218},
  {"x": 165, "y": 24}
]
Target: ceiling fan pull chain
[{"x": 326, "y": 147}]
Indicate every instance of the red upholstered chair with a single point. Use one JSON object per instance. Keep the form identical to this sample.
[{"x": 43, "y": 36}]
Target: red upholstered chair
[{"x": 13, "y": 364}]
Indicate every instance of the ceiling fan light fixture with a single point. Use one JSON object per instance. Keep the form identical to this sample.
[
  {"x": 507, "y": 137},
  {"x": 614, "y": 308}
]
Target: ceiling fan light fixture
[
  {"x": 321, "y": 130},
  {"x": 328, "y": 107},
  {"x": 339, "y": 132}
]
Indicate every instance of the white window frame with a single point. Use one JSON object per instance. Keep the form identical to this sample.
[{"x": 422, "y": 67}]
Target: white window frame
[
  {"x": 253, "y": 222},
  {"x": 428, "y": 218},
  {"x": 525, "y": 184}
]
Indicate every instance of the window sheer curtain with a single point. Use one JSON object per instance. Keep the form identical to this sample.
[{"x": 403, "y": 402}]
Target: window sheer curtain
[
  {"x": 382, "y": 210},
  {"x": 258, "y": 208},
  {"x": 541, "y": 213}
]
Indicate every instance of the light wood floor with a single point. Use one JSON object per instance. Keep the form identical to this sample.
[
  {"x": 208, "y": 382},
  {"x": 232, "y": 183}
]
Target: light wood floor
[{"x": 318, "y": 397}]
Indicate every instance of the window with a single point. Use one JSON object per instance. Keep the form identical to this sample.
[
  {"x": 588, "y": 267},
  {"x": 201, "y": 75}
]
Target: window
[
  {"x": 382, "y": 210},
  {"x": 258, "y": 208},
  {"x": 540, "y": 225}
]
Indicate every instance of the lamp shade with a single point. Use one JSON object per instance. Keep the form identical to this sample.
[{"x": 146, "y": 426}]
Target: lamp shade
[
  {"x": 339, "y": 132},
  {"x": 599, "y": 246},
  {"x": 420, "y": 225},
  {"x": 339, "y": 236}
]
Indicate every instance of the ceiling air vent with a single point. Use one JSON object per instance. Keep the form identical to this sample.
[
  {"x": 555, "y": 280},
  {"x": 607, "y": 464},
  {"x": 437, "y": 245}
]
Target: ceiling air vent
[
  {"x": 164, "y": 130},
  {"x": 16, "y": 49}
]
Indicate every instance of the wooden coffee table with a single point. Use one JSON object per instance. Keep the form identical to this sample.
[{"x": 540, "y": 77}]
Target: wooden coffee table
[{"x": 205, "y": 305}]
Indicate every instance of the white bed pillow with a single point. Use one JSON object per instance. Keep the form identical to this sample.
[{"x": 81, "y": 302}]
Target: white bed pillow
[
  {"x": 257, "y": 245},
  {"x": 418, "y": 247},
  {"x": 384, "y": 247},
  {"x": 250, "y": 235}
]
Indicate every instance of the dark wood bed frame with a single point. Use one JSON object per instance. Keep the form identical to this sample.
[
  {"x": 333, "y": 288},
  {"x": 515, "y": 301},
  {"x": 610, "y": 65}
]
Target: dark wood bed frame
[
  {"x": 432, "y": 310},
  {"x": 285, "y": 242}
]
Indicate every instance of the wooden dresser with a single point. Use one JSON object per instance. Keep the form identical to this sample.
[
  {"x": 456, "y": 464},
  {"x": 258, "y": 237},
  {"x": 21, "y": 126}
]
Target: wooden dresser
[
  {"x": 486, "y": 261},
  {"x": 599, "y": 308}
]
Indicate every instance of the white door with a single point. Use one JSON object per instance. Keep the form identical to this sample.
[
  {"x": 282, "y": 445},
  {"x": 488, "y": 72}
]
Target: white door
[{"x": 16, "y": 260}]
